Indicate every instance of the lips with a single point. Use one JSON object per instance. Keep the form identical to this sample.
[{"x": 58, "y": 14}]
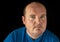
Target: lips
[{"x": 37, "y": 26}]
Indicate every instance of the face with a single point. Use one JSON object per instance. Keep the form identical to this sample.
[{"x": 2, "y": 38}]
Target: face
[{"x": 35, "y": 20}]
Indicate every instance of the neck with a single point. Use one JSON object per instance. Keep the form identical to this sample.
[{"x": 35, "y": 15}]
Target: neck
[{"x": 33, "y": 36}]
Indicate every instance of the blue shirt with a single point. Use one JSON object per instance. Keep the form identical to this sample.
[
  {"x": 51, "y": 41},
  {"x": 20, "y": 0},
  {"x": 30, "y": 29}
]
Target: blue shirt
[{"x": 20, "y": 35}]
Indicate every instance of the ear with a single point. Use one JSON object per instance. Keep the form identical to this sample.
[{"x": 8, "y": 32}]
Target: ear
[{"x": 23, "y": 19}]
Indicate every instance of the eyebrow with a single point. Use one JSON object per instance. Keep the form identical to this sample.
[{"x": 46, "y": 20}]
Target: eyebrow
[
  {"x": 44, "y": 14},
  {"x": 32, "y": 15},
  {"x": 35, "y": 15}
]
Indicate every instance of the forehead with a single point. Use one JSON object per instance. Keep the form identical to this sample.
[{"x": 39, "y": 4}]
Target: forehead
[{"x": 36, "y": 9}]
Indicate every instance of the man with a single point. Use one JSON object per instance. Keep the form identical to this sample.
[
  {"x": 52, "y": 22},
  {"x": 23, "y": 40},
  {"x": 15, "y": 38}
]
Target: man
[{"x": 35, "y": 21}]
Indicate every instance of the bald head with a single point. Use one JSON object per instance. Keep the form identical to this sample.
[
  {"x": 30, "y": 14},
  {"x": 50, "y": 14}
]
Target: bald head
[{"x": 34, "y": 5}]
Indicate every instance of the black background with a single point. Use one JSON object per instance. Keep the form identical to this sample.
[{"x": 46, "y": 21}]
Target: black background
[{"x": 11, "y": 12}]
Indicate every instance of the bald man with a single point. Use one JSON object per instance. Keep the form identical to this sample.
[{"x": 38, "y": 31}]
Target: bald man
[{"x": 35, "y": 21}]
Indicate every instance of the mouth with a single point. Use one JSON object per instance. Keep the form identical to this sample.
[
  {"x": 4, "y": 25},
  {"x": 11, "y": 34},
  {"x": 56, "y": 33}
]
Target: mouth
[{"x": 37, "y": 27}]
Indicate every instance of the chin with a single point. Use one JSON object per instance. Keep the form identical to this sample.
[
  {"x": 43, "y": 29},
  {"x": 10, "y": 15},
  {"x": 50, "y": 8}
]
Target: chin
[{"x": 38, "y": 31}]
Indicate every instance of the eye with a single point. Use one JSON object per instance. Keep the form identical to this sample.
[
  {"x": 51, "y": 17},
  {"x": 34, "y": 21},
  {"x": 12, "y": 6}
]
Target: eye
[
  {"x": 32, "y": 16},
  {"x": 43, "y": 16}
]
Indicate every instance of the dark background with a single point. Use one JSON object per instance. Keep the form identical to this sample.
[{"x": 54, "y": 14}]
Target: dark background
[{"x": 11, "y": 12}]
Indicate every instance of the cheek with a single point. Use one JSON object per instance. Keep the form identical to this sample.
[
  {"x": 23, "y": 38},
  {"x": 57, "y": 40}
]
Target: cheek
[
  {"x": 44, "y": 21},
  {"x": 29, "y": 23}
]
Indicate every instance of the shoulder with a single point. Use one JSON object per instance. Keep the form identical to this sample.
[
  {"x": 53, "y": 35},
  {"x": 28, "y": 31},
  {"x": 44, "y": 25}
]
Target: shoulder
[
  {"x": 18, "y": 31},
  {"x": 50, "y": 36},
  {"x": 21, "y": 29},
  {"x": 16, "y": 34}
]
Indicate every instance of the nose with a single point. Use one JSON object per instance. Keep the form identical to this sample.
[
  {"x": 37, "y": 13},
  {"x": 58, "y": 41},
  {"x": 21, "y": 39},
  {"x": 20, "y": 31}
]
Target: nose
[{"x": 37, "y": 20}]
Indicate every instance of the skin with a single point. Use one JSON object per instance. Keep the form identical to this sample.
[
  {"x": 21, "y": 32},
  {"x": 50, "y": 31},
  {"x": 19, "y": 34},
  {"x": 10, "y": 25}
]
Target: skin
[{"x": 35, "y": 19}]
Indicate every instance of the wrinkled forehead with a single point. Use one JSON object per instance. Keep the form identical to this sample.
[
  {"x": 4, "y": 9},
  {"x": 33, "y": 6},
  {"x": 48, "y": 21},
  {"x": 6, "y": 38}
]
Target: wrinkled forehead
[{"x": 35, "y": 8}]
